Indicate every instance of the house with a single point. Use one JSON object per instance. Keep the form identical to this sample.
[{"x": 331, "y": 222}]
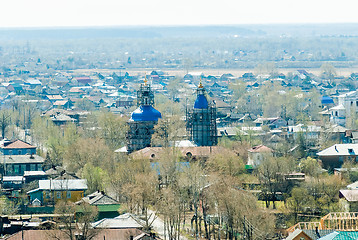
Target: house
[
  {"x": 30, "y": 176},
  {"x": 308, "y": 234},
  {"x": 191, "y": 153},
  {"x": 230, "y": 132},
  {"x": 344, "y": 173},
  {"x": 16, "y": 165},
  {"x": 336, "y": 155},
  {"x": 347, "y": 103},
  {"x": 124, "y": 221},
  {"x": 51, "y": 191},
  {"x": 33, "y": 83},
  {"x": 62, "y": 119},
  {"x": 125, "y": 102},
  {"x": 351, "y": 136},
  {"x": 76, "y": 92},
  {"x": 298, "y": 234},
  {"x": 63, "y": 104},
  {"x": 310, "y": 132},
  {"x": 257, "y": 154},
  {"x": 248, "y": 75},
  {"x": 349, "y": 199},
  {"x": 12, "y": 182},
  {"x": 54, "y": 98},
  {"x": 17, "y": 147},
  {"x": 83, "y": 80},
  {"x": 20, "y": 156},
  {"x": 156, "y": 75},
  {"x": 107, "y": 207},
  {"x": 274, "y": 122}
]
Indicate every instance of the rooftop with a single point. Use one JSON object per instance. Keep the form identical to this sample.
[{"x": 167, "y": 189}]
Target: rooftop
[
  {"x": 340, "y": 150},
  {"x": 68, "y": 184},
  {"x": 201, "y": 102},
  {"x": 17, "y": 144},
  {"x": 123, "y": 221},
  {"x": 14, "y": 159},
  {"x": 145, "y": 113},
  {"x": 260, "y": 148},
  {"x": 98, "y": 198}
]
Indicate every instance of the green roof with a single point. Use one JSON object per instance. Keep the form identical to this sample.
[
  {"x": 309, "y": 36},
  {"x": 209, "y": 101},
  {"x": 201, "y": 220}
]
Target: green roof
[
  {"x": 340, "y": 236},
  {"x": 101, "y": 208},
  {"x": 249, "y": 167},
  {"x": 108, "y": 207}
]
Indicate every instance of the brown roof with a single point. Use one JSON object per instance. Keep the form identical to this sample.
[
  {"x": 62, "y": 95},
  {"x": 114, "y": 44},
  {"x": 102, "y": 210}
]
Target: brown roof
[
  {"x": 56, "y": 111},
  {"x": 108, "y": 234},
  {"x": 260, "y": 148},
  {"x": 60, "y": 102},
  {"x": 54, "y": 97},
  {"x": 76, "y": 90},
  {"x": 18, "y": 144}
]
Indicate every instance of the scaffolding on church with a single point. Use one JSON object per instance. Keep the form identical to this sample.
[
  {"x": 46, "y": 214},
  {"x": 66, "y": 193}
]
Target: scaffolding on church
[
  {"x": 145, "y": 95},
  {"x": 201, "y": 125},
  {"x": 143, "y": 119}
]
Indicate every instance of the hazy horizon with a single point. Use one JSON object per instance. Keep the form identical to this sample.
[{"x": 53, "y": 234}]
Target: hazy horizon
[{"x": 94, "y": 13}]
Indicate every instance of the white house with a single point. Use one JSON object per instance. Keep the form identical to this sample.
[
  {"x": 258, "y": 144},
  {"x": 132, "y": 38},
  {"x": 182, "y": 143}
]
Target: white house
[{"x": 347, "y": 103}]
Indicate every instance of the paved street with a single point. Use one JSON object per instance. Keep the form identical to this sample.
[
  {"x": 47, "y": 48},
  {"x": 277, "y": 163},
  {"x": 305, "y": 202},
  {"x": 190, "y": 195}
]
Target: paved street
[{"x": 158, "y": 226}]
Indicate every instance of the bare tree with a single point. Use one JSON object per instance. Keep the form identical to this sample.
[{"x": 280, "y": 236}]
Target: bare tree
[
  {"x": 75, "y": 221},
  {"x": 5, "y": 120}
]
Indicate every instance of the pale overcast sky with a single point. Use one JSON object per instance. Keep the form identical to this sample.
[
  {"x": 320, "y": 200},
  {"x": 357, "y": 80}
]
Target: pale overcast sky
[{"x": 48, "y": 13}]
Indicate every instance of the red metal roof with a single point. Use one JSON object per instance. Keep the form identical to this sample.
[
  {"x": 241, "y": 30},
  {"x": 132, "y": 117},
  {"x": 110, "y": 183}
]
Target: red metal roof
[{"x": 18, "y": 144}]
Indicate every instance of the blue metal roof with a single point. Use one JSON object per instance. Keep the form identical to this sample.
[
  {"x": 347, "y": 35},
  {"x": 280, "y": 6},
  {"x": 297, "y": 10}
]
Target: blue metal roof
[
  {"x": 326, "y": 100},
  {"x": 201, "y": 102},
  {"x": 145, "y": 113}
]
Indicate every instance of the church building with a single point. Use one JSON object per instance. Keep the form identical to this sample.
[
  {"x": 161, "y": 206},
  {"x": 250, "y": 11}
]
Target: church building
[
  {"x": 201, "y": 120},
  {"x": 142, "y": 121}
]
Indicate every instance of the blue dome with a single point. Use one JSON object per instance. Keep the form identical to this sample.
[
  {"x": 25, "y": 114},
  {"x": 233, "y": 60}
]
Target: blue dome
[
  {"x": 145, "y": 113},
  {"x": 201, "y": 102},
  {"x": 326, "y": 100}
]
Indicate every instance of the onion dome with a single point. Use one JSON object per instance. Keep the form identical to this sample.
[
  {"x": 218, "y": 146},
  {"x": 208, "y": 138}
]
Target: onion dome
[
  {"x": 145, "y": 113},
  {"x": 201, "y": 102},
  {"x": 327, "y": 100}
]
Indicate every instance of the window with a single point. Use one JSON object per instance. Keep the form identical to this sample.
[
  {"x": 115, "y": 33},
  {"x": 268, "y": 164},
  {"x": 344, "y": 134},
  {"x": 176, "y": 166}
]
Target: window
[
  {"x": 28, "y": 151},
  {"x": 16, "y": 168},
  {"x": 22, "y": 168},
  {"x": 47, "y": 194},
  {"x": 68, "y": 194},
  {"x": 19, "y": 152},
  {"x": 32, "y": 167},
  {"x": 10, "y": 152},
  {"x": 58, "y": 195}
]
